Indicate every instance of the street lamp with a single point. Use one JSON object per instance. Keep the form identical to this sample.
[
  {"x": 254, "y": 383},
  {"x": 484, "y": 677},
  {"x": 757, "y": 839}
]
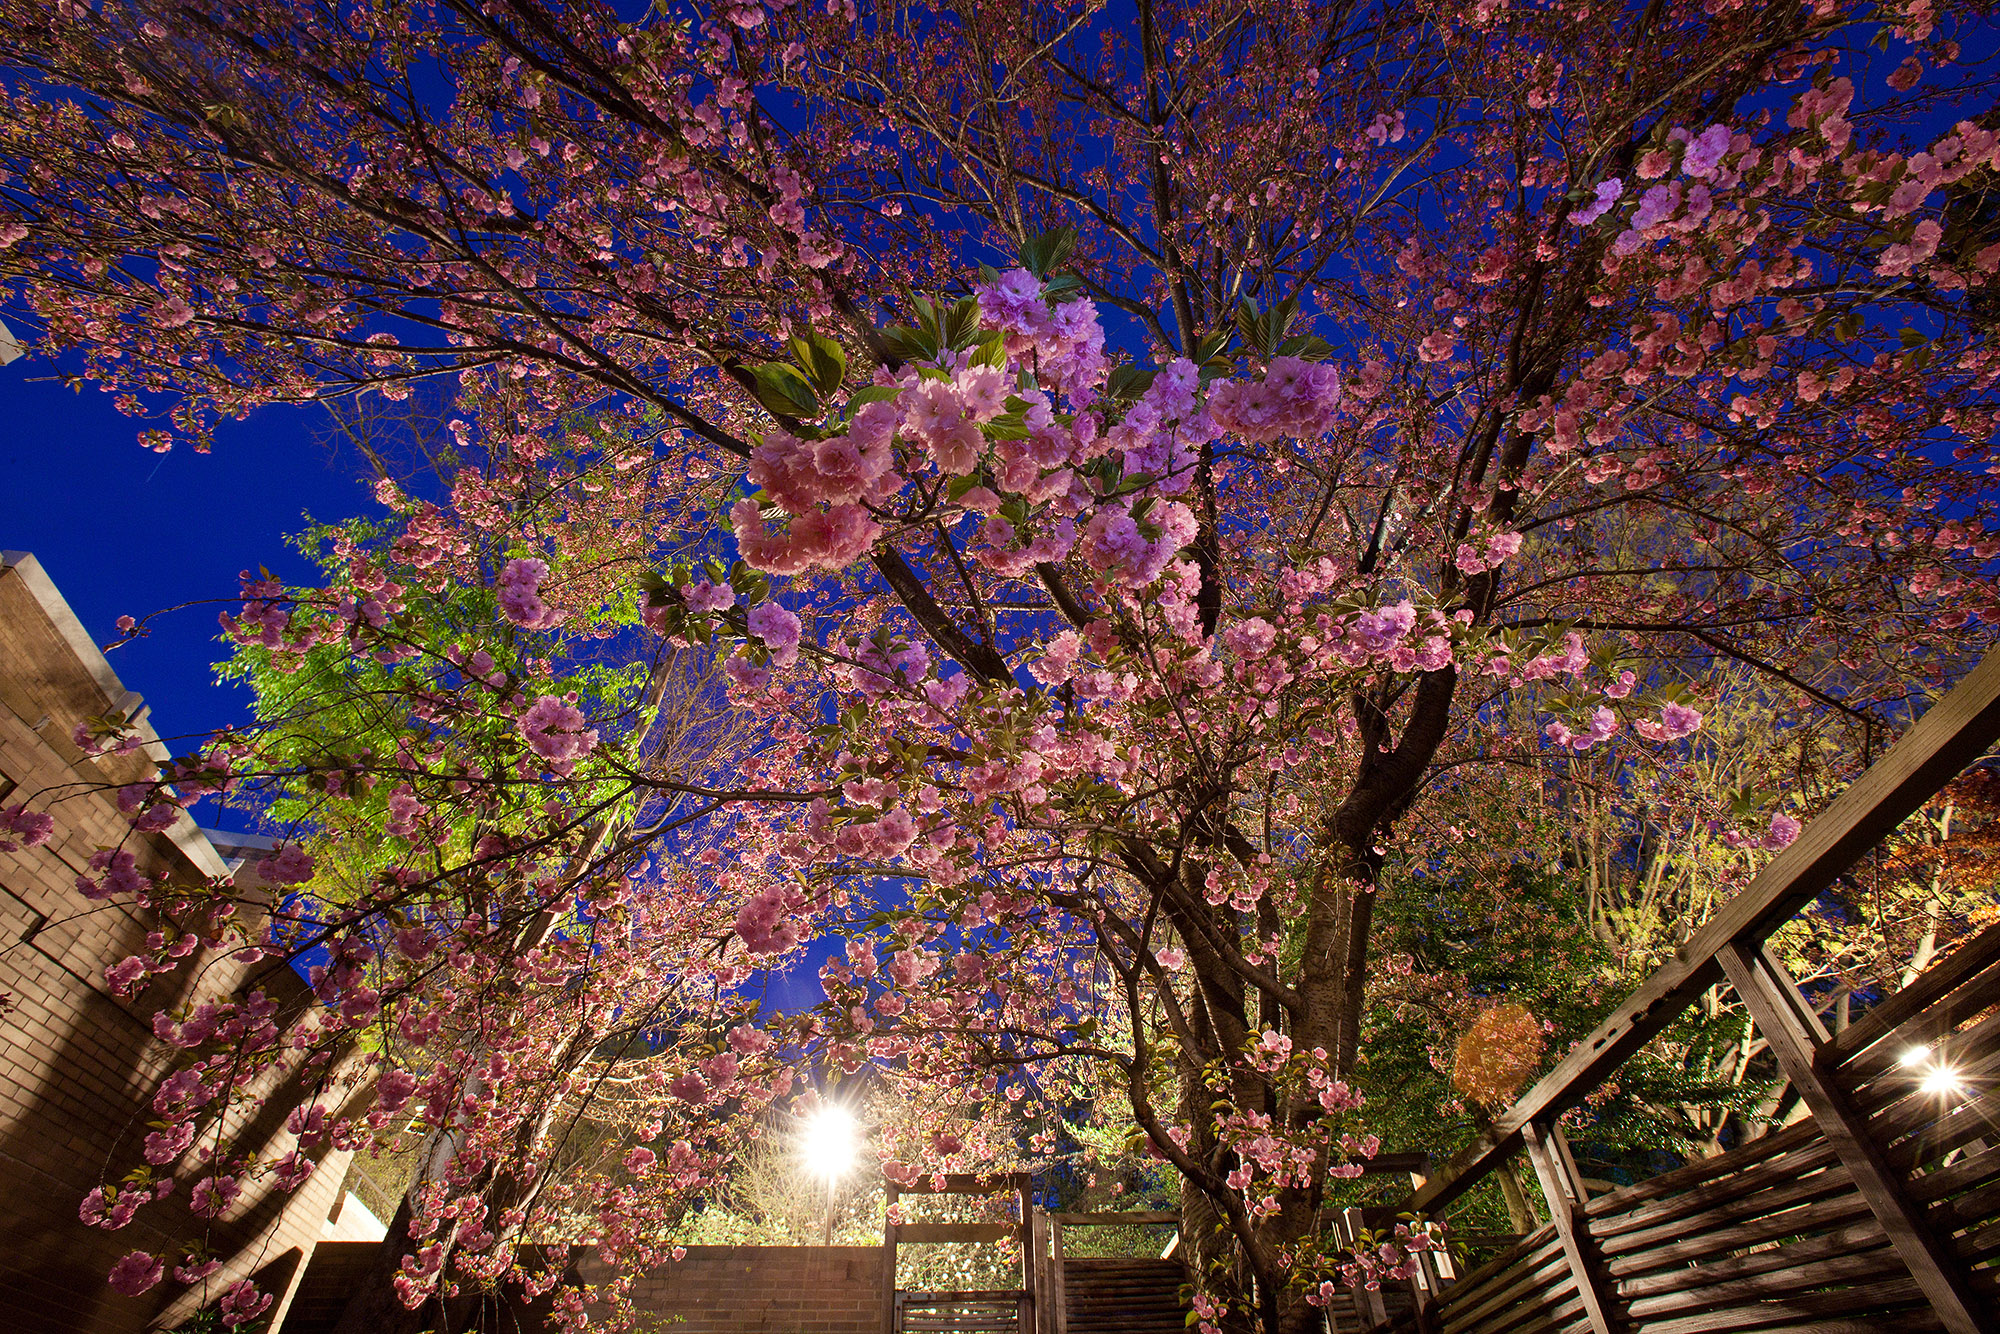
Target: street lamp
[{"x": 828, "y": 1146}]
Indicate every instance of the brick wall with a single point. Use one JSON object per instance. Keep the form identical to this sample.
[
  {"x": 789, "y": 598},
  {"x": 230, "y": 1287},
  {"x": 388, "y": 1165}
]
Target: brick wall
[
  {"x": 714, "y": 1290},
  {"x": 78, "y": 1064},
  {"x": 766, "y": 1289}
]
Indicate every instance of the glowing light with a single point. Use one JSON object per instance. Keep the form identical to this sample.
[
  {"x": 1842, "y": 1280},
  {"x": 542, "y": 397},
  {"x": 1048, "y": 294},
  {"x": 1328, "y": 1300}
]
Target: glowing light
[
  {"x": 1943, "y": 1081},
  {"x": 1915, "y": 1054},
  {"x": 828, "y": 1142}
]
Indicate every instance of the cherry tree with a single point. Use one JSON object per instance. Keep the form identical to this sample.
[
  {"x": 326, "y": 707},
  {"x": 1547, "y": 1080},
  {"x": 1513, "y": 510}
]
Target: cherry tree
[{"x": 1123, "y": 456}]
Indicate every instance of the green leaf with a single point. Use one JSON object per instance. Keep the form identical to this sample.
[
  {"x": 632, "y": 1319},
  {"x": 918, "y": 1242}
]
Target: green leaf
[
  {"x": 1130, "y": 380},
  {"x": 1007, "y": 426},
  {"x": 1306, "y": 347},
  {"x": 832, "y": 363},
  {"x": 783, "y": 391},
  {"x": 1287, "y": 311},
  {"x": 1247, "y": 316},
  {"x": 874, "y": 393},
  {"x": 909, "y": 344},
  {"x": 962, "y": 322},
  {"x": 824, "y": 361},
  {"x": 992, "y": 349},
  {"x": 1047, "y": 250}
]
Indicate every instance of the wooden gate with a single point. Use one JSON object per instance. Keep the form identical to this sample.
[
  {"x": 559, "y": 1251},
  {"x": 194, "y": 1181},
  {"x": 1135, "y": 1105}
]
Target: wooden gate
[{"x": 987, "y": 1311}]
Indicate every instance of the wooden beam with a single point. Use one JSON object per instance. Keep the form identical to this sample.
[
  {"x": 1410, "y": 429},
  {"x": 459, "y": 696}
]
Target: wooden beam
[
  {"x": 1882, "y": 1019},
  {"x": 892, "y": 1297},
  {"x": 1060, "y": 1288},
  {"x": 1563, "y": 1191},
  {"x": 1369, "y": 1308},
  {"x": 1775, "y": 1006},
  {"x": 1031, "y": 1265},
  {"x": 1957, "y": 730},
  {"x": 938, "y": 1233}
]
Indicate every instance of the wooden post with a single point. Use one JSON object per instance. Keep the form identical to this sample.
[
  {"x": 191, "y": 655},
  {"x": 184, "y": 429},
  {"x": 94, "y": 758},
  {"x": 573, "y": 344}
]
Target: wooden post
[
  {"x": 892, "y": 1303},
  {"x": 1797, "y": 1040},
  {"x": 1427, "y": 1282},
  {"x": 1030, "y": 1261},
  {"x": 1369, "y": 1308},
  {"x": 1563, "y": 1191},
  {"x": 1058, "y": 1286}
]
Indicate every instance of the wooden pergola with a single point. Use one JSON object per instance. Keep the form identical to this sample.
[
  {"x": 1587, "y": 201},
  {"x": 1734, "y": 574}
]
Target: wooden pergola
[{"x": 1879, "y": 1211}]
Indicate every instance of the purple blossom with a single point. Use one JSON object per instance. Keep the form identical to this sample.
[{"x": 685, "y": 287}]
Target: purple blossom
[
  {"x": 1678, "y": 720},
  {"x": 1657, "y": 205},
  {"x": 520, "y": 595},
  {"x": 554, "y": 729},
  {"x": 1704, "y": 154},
  {"x": 30, "y": 828},
  {"x": 1608, "y": 193},
  {"x": 290, "y": 865},
  {"x": 779, "y": 629},
  {"x": 1784, "y": 829}
]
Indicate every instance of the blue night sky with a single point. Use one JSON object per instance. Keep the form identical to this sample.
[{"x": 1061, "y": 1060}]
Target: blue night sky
[{"x": 124, "y": 531}]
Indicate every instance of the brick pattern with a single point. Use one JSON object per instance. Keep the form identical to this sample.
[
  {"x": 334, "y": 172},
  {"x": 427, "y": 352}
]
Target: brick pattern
[
  {"x": 78, "y": 1065},
  {"x": 767, "y": 1289},
  {"x": 713, "y": 1290}
]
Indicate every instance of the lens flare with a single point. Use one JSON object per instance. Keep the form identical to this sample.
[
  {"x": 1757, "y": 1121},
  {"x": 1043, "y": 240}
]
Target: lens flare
[
  {"x": 828, "y": 1142},
  {"x": 1942, "y": 1082}
]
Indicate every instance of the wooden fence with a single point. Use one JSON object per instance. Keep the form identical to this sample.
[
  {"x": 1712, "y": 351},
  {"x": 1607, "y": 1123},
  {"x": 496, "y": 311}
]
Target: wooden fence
[{"x": 1879, "y": 1211}]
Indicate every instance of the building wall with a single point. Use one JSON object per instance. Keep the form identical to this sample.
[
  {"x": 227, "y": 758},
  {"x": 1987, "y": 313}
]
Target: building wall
[{"x": 78, "y": 1064}]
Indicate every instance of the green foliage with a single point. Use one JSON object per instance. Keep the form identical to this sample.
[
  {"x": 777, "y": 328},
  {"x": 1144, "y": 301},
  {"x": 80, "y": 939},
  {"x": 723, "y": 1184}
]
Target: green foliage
[
  {"x": 1524, "y": 937},
  {"x": 324, "y": 716}
]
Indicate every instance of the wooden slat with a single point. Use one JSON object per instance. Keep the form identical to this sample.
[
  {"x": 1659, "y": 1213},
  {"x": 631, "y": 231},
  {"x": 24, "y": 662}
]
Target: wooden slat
[
  {"x": 1936, "y": 1270},
  {"x": 1769, "y": 1175},
  {"x": 1779, "y": 1197},
  {"x": 1552, "y": 1309},
  {"x": 1514, "y": 1289},
  {"x": 1830, "y": 1271},
  {"x": 1787, "y": 1309},
  {"x": 1957, "y": 730},
  {"x": 1542, "y": 1238},
  {"x": 1978, "y": 1245},
  {"x": 1885, "y": 1059},
  {"x": 1791, "y": 1139},
  {"x": 1915, "y": 1133},
  {"x": 1971, "y": 1209},
  {"x": 1961, "y": 1175},
  {"x": 950, "y": 1232},
  {"x": 1539, "y": 1247},
  {"x": 1940, "y": 978},
  {"x": 1852, "y": 1325},
  {"x": 1841, "y": 1209},
  {"x": 1505, "y": 1291},
  {"x": 1564, "y": 1195},
  {"x": 1849, "y": 1240}
]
